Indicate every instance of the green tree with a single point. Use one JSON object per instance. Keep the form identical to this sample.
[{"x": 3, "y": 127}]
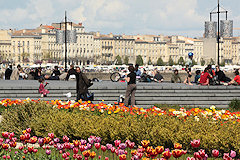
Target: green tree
[
  {"x": 211, "y": 62},
  {"x": 202, "y": 61},
  {"x": 139, "y": 60},
  {"x": 160, "y": 62},
  {"x": 222, "y": 63},
  {"x": 194, "y": 62},
  {"x": 118, "y": 60},
  {"x": 126, "y": 60},
  {"x": 25, "y": 56},
  {"x": 149, "y": 61},
  {"x": 181, "y": 61},
  {"x": 170, "y": 62}
]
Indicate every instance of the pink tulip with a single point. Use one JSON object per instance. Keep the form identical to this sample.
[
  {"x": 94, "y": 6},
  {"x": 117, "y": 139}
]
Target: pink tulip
[
  {"x": 97, "y": 145},
  {"x": 195, "y": 143},
  {"x": 117, "y": 142},
  {"x": 28, "y": 130},
  {"x": 233, "y": 154},
  {"x": 51, "y": 135},
  {"x": 202, "y": 153},
  {"x": 65, "y": 139},
  {"x": 215, "y": 153},
  {"x": 191, "y": 158}
]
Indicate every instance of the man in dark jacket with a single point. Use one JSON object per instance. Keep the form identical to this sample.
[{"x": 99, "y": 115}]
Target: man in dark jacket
[
  {"x": 71, "y": 73},
  {"x": 8, "y": 72},
  {"x": 221, "y": 77},
  {"x": 83, "y": 83}
]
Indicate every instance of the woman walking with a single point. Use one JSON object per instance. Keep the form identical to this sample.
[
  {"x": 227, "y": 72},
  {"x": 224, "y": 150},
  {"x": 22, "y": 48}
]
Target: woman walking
[{"x": 131, "y": 86}]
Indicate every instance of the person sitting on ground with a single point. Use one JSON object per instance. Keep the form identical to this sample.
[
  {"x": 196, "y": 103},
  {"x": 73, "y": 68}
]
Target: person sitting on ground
[
  {"x": 55, "y": 75},
  {"x": 145, "y": 77},
  {"x": 236, "y": 80},
  {"x": 22, "y": 75},
  {"x": 38, "y": 73},
  {"x": 158, "y": 77},
  {"x": 8, "y": 72},
  {"x": 137, "y": 71},
  {"x": 15, "y": 73},
  {"x": 42, "y": 89},
  {"x": 71, "y": 75},
  {"x": 221, "y": 77},
  {"x": 212, "y": 75},
  {"x": 197, "y": 77},
  {"x": 175, "y": 77},
  {"x": 204, "y": 78}
]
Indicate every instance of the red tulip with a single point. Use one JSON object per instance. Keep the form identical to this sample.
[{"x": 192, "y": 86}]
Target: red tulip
[
  {"x": 5, "y": 134},
  {"x": 195, "y": 143},
  {"x": 123, "y": 157},
  {"x": 64, "y": 155},
  {"x": 28, "y": 130},
  {"x": 51, "y": 135},
  {"x": 13, "y": 144},
  {"x": 197, "y": 156},
  {"x": 76, "y": 143},
  {"x": 22, "y": 137},
  {"x": 27, "y": 136},
  {"x": 191, "y": 158},
  {"x": 35, "y": 150},
  {"x": 65, "y": 139},
  {"x": 177, "y": 146},
  {"x": 177, "y": 153},
  {"x": 97, "y": 145},
  {"x": 131, "y": 145},
  {"x": 11, "y": 135},
  {"x": 106, "y": 158},
  {"x": 8, "y": 157},
  {"x": 103, "y": 148},
  {"x": 82, "y": 148},
  {"x": 5, "y": 146},
  {"x": 30, "y": 149},
  {"x": 215, "y": 153},
  {"x": 167, "y": 154},
  {"x": 75, "y": 150},
  {"x": 25, "y": 151},
  {"x": 117, "y": 142},
  {"x": 79, "y": 157},
  {"x": 4, "y": 156},
  {"x": 113, "y": 149},
  {"x": 202, "y": 153},
  {"x": 20, "y": 147}
]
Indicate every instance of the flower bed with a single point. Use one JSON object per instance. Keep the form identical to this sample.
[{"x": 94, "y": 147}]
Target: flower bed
[
  {"x": 216, "y": 129},
  {"x": 50, "y": 147}
]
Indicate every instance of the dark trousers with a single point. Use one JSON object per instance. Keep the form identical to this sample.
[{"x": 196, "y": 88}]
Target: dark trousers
[{"x": 131, "y": 90}]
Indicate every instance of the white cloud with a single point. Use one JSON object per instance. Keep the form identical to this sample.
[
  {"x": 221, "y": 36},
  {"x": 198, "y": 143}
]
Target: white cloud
[{"x": 118, "y": 16}]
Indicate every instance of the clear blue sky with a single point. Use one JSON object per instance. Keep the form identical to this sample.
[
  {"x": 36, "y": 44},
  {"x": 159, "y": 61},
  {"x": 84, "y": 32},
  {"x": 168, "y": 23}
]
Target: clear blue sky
[{"x": 168, "y": 17}]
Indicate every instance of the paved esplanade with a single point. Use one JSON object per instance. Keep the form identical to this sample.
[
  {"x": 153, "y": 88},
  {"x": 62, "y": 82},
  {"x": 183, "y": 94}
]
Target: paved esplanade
[{"x": 147, "y": 93}]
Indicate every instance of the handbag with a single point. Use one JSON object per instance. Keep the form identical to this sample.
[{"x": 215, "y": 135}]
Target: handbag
[{"x": 88, "y": 96}]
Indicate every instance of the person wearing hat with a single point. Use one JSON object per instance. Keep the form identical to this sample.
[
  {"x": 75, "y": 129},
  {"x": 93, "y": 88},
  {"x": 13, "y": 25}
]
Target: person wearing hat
[{"x": 236, "y": 80}]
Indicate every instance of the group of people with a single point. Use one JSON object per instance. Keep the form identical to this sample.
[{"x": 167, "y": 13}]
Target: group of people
[
  {"x": 82, "y": 83},
  {"x": 20, "y": 74},
  {"x": 215, "y": 77}
]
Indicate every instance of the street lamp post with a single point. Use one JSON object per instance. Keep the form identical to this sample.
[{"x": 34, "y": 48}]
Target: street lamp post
[{"x": 218, "y": 30}]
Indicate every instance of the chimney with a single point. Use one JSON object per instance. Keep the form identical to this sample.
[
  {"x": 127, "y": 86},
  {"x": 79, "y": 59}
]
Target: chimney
[
  {"x": 98, "y": 34},
  {"x": 24, "y": 31},
  {"x": 111, "y": 35}
]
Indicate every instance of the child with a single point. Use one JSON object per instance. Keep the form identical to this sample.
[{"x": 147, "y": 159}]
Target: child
[
  {"x": 42, "y": 89},
  {"x": 197, "y": 77}
]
